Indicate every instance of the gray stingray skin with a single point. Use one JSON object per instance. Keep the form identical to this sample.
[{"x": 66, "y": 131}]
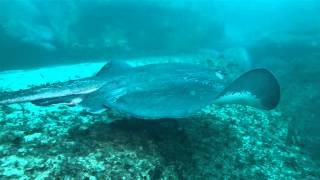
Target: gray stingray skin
[{"x": 163, "y": 90}]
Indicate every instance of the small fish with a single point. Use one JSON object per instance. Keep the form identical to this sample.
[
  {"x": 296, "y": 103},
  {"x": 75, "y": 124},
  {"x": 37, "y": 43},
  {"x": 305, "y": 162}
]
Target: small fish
[{"x": 155, "y": 91}]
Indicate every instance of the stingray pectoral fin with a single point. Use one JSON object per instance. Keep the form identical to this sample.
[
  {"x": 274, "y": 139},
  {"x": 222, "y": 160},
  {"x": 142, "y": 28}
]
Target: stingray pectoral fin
[
  {"x": 98, "y": 101},
  {"x": 258, "y": 88},
  {"x": 93, "y": 103}
]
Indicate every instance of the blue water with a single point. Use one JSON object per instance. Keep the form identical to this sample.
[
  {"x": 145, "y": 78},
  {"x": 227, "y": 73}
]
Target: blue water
[{"x": 56, "y": 40}]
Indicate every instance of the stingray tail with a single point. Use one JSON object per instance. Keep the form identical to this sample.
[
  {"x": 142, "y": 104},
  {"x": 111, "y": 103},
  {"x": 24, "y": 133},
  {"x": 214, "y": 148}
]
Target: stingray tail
[{"x": 257, "y": 88}]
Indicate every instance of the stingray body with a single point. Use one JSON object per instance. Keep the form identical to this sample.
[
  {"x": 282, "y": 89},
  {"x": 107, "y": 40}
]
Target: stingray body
[{"x": 155, "y": 91}]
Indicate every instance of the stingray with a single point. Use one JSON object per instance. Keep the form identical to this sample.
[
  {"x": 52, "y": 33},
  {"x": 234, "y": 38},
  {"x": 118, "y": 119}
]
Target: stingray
[{"x": 155, "y": 91}]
